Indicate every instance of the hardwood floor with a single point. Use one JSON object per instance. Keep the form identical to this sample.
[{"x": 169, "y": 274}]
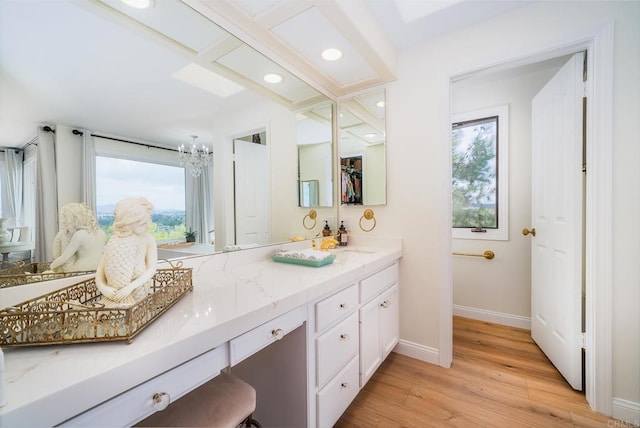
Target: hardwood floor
[{"x": 499, "y": 378}]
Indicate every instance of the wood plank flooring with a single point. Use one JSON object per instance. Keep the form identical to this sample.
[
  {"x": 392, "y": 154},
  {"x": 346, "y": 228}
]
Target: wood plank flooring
[{"x": 499, "y": 378}]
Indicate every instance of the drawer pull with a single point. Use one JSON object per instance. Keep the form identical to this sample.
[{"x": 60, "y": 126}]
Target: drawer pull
[
  {"x": 277, "y": 333},
  {"x": 161, "y": 401},
  {"x": 385, "y": 304},
  {"x": 344, "y": 385},
  {"x": 343, "y": 306},
  {"x": 344, "y": 336}
]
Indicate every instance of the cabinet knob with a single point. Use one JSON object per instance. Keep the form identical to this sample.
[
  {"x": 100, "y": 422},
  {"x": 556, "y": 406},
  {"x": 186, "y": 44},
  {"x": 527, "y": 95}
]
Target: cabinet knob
[
  {"x": 343, "y": 306},
  {"x": 161, "y": 401},
  {"x": 277, "y": 333},
  {"x": 344, "y": 336},
  {"x": 344, "y": 385},
  {"x": 385, "y": 304}
]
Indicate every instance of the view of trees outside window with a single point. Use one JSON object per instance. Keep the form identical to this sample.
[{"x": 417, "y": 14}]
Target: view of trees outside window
[
  {"x": 474, "y": 173},
  {"x": 162, "y": 185}
]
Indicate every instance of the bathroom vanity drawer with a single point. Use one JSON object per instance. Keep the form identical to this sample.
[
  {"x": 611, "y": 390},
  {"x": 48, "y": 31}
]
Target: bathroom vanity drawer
[
  {"x": 335, "y": 347},
  {"x": 137, "y": 403},
  {"x": 378, "y": 282},
  {"x": 334, "y": 399},
  {"x": 336, "y": 307},
  {"x": 254, "y": 340}
]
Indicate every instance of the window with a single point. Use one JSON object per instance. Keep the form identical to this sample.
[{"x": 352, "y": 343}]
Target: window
[
  {"x": 479, "y": 174},
  {"x": 162, "y": 185}
]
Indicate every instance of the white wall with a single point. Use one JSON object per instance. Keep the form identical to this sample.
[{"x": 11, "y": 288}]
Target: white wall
[
  {"x": 374, "y": 175},
  {"x": 316, "y": 162},
  {"x": 418, "y": 162},
  {"x": 499, "y": 290}
]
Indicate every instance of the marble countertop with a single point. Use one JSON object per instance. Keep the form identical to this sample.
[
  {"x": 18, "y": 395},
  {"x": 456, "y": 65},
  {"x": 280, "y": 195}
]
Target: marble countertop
[
  {"x": 182, "y": 249},
  {"x": 233, "y": 293}
]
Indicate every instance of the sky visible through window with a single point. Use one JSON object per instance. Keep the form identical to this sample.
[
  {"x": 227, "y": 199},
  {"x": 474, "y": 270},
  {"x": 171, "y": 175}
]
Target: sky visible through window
[
  {"x": 117, "y": 179},
  {"x": 162, "y": 185}
]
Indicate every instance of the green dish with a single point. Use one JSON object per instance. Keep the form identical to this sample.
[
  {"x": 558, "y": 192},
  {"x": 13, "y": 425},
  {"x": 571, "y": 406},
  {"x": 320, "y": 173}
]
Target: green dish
[{"x": 303, "y": 262}]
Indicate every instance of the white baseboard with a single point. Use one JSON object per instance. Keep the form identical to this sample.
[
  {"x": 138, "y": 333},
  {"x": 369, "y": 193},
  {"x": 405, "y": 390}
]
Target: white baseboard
[
  {"x": 419, "y": 352},
  {"x": 493, "y": 317},
  {"x": 627, "y": 412}
]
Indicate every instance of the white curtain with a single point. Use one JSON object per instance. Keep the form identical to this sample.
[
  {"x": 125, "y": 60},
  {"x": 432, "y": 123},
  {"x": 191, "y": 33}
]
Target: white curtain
[
  {"x": 12, "y": 186},
  {"x": 199, "y": 216},
  {"x": 88, "y": 170},
  {"x": 47, "y": 199}
]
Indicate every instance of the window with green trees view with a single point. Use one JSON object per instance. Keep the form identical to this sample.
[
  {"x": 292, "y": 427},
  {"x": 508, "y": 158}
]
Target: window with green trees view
[
  {"x": 162, "y": 185},
  {"x": 477, "y": 141}
]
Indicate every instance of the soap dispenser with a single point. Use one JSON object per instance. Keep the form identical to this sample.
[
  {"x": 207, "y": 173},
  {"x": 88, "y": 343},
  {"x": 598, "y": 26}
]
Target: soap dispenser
[
  {"x": 327, "y": 230},
  {"x": 342, "y": 235}
]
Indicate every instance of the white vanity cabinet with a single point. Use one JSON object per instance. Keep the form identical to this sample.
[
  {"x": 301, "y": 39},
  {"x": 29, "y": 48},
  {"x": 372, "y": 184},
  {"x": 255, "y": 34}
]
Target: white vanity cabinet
[
  {"x": 355, "y": 330},
  {"x": 264, "y": 335},
  {"x": 379, "y": 320},
  {"x": 156, "y": 394},
  {"x": 305, "y": 339},
  {"x": 336, "y": 351}
]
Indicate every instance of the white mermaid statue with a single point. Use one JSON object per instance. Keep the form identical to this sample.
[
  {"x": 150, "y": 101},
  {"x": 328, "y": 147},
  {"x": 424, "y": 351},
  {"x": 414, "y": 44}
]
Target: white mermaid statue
[
  {"x": 130, "y": 257},
  {"x": 79, "y": 243}
]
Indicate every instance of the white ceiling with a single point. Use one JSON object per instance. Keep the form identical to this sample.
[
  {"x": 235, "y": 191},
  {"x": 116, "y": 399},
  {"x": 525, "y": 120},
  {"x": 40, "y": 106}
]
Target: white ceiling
[
  {"x": 105, "y": 67},
  {"x": 409, "y": 22}
]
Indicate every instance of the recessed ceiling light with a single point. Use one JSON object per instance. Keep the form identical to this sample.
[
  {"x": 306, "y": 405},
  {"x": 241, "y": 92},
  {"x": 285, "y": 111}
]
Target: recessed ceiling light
[
  {"x": 370, "y": 135},
  {"x": 272, "y": 78},
  {"x": 139, "y": 4},
  {"x": 380, "y": 104},
  {"x": 331, "y": 54}
]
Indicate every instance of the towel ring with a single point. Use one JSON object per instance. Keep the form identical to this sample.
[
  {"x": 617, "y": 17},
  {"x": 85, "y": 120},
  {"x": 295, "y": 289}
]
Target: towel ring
[
  {"x": 368, "y": 215},
  {"x": 312, "y": 215}
]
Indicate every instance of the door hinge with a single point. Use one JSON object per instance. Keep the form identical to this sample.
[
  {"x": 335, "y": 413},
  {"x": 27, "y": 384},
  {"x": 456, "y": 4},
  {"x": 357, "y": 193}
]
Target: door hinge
[{"x": 584, "y": 340}]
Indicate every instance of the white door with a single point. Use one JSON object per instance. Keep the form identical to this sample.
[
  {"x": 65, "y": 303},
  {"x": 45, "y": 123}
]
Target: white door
[
  {"x": 556, "y": 248},
  {"x": 252, "y": 194}
]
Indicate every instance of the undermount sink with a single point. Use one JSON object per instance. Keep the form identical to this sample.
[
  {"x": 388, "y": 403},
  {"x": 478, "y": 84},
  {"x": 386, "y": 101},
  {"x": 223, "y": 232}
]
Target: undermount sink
[{"x": 355, "y": 250}]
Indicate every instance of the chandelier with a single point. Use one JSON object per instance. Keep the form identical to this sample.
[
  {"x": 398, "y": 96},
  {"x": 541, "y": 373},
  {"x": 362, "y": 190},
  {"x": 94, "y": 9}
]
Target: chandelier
[{"x": 196, "y": 159}]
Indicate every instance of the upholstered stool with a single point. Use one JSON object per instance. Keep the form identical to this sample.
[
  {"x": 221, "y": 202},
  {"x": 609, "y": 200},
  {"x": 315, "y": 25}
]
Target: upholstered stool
[{"x": 224, "y": 401}]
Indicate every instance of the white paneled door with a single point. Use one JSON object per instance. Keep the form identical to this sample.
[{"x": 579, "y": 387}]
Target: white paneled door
[
  {"x": 557, "y": 193},
  {"x": 252, "y": 195}
]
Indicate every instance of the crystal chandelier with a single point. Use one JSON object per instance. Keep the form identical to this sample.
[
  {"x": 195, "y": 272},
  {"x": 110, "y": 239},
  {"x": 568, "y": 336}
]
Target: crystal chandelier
[{"x": 196, "y": 159}]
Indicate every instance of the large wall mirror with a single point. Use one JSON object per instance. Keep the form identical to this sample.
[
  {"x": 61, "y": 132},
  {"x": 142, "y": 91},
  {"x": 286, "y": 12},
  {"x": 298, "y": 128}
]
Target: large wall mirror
[
  {"x": 118, "y": 62},
  {"x": 362, "y": 139}
]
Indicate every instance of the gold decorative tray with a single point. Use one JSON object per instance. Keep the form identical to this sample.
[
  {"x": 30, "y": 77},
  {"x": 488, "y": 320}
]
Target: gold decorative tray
[
  {"x": 74, "y": 314},
  {"x": 20, "y": 273}
]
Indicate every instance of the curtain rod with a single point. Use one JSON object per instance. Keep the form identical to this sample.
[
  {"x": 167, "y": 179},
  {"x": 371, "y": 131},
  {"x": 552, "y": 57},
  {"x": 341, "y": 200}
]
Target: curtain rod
[{"x": 76, "y": 132}]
